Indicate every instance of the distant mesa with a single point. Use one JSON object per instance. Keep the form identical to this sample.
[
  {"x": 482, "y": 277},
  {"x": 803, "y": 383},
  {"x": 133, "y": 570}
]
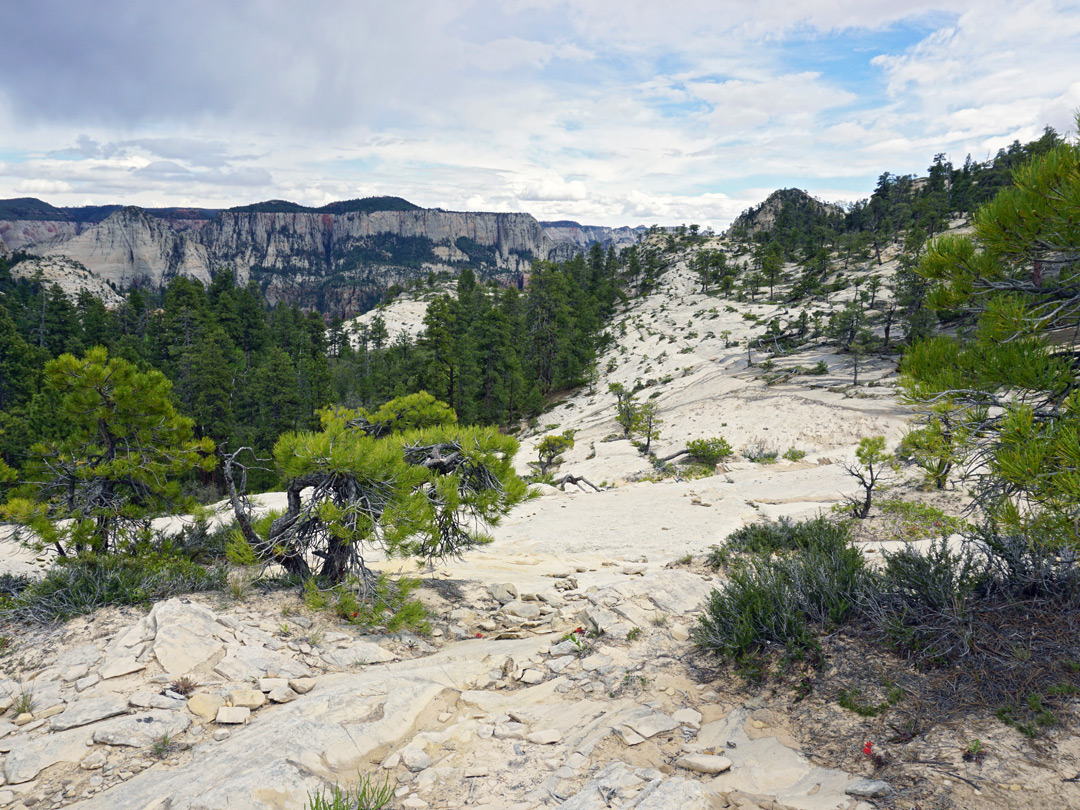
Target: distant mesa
[{"x": 338, "y": 258}]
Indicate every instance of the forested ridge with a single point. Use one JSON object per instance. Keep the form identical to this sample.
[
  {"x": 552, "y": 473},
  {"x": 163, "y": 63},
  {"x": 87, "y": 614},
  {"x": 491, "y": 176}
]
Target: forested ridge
[{"x": 247, "y": 373}]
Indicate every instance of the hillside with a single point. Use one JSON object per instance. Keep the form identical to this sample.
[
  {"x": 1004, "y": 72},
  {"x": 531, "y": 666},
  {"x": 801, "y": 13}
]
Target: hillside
[{"x": 500, "y": 706}]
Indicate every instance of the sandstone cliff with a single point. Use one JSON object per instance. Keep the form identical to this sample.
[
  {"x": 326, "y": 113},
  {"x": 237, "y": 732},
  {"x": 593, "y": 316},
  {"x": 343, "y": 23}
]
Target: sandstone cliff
[
  {"x": 335, "y": 259},
  {"x": 582, "y": 237}
]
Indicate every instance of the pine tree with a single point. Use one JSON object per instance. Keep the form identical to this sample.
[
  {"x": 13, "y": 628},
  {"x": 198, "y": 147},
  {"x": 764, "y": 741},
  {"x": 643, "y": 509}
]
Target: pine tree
[
  {"x": 119, "y": 464},
  {"x": 1013, "y": 373}
]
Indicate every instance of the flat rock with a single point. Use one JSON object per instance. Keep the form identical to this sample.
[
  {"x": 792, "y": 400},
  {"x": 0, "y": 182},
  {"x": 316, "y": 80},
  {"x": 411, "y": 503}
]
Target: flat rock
[
  {"x": 510, "y": 731},
  {"x": 233, "y": 715},
  {"x": 205, "y": 706},
  {"x": 628, "y": 735},
  {"x": 703, "y": 763},
  {"x": 650, "y": 723},
  {"x": 358, "y": 654},
  {"x": 683, "y": 794},
  {"x": 564, "y": 648},
  {"x": 30, "y": 758},
  {"x": 868, "y": 788},
  {"x": 85, "y": 655},
  {"x": 593, "y": 662},
  {"x": 270, "y": 684},
  {"x": 89, "y": 710},
  {"x": 249, "y": 698},
  {"x": 503, "y": 593},
  {"x": 522, "y": 610},
  {"x": 532, "y": 676},
  {"x": 282, "y": 694},
  {"x": 184, "y": 635},
  {"x": 117, "y": 669},
  {"x": 140, "y": 730},
  {"x": 302, "y": 685},
  {"x": 242, "y": 663},
  {"x": 151, "y": 700},
  {"x": 688, "y": 717},
  {"x": 547, "y": 736},
  {"x": 83, "y": 684}
]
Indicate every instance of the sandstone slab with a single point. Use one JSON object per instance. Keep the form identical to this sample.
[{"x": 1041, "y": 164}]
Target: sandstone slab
[
  {"x": 649, "y": 723},
  {"x": 205, "y": 706},
  {"x": 358, "y": 654},
  {"x": 30, "y": 758},
  {"x": 141, "y": 730},
  {"x": 89, "y": 710},
  {"x": 703, "y": 763}
]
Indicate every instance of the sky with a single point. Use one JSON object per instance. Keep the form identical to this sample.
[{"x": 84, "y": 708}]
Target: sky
[{"x": 606, "y": 112}]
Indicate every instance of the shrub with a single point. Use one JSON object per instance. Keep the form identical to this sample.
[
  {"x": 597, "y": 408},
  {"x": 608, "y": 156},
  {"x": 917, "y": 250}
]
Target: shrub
[
  {"x": 387, "y": 604},
  {"x": 366, "y": 795},
  {"x": 771, "y": 603},
  {"x": 83, "y": 584},
  {"x": 794, "y": 454},
  {"x": 760, "y": 453},
  {"x": 709, "y": 451},
  {"x": 772, "y": 538}
]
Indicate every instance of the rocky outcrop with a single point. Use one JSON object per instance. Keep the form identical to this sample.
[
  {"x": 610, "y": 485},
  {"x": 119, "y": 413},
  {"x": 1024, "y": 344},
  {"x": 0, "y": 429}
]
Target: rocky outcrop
[
  {"x": 791, "y": 204},
  {"x": 71, "y": 276},
  {"x": 16, "y": 234},
  {"x": 130, "y": 247},
  {"x": 582, "y": 237}
]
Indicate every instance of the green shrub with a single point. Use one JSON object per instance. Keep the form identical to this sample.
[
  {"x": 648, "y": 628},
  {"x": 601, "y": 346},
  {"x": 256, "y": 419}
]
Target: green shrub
[
  {"x": 366, "y": 795},
  {"x": 388, "y": 605},
  {"x": 919, "y": 521},
  {"x": 709, "y": 451},
  {"x": 78, "y": 585},
  {"x": 771, "y": 603},
  {"x": 794, "y": 454}
]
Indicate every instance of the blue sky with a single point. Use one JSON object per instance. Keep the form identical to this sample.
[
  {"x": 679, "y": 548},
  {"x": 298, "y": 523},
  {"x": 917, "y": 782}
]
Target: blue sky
[{"x": 615, "y": 113}]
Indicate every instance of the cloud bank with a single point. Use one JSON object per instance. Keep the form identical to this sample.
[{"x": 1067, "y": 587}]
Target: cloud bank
[{"x": 609, "y": 113}]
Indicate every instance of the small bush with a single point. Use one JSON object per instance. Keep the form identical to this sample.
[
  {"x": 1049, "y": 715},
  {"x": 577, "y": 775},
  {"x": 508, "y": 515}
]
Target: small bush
[
  {"x": 794, "y": 454},
  {"x": 771, "y": 603},
  {"x": 387, "y": 603},
  {"x": 772, "y": 538},
  {"x": 820, "y": 368},
  {"x": 79, "y": 585},
  {"x": 709, "y": 451},
  {"x": 366, "y": 795},
  {"x": 760, "y": 453},
  {"x": 919, "y": 521}
]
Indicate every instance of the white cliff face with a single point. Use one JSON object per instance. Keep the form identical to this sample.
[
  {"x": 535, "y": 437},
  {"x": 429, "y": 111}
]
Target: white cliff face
[
  {"x": 16, "y": 234},
  {"x": 583, "y": 236},
  {"x": 131, "y": 247},
  {"x": 341, "y": 261}
]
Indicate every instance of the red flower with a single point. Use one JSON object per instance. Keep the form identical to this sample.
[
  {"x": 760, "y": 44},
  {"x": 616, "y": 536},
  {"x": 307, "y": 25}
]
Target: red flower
[
  {"x": 355, "y": 614},
  {"x": 868, "y": 749},
  {"x": 579, "y": 629},
  {"x": 479, "y": 635}
]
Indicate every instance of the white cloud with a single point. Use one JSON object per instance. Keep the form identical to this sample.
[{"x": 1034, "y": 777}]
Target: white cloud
[
  {"x": 609, "y": 112},
  {"x": 43, "y": 187}
]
